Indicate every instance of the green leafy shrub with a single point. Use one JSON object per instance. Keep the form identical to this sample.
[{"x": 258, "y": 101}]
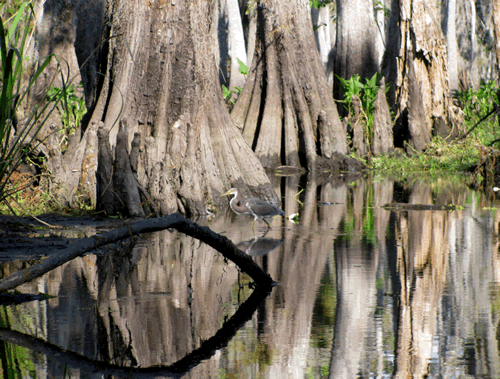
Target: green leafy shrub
[
  {"x": 227, "y": 94},
  {"x": 476, "y": 104},
  {"x": 367, "y": 93},
  {"x": 320, "y": 3}
]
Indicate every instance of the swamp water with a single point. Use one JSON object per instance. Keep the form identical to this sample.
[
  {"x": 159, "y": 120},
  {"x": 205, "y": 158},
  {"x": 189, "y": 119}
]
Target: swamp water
[{"x": 364, "y": 291}]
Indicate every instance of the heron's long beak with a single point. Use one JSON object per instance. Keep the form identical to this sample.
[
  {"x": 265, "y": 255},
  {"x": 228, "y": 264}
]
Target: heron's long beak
[{"x": 225, "y": 194}]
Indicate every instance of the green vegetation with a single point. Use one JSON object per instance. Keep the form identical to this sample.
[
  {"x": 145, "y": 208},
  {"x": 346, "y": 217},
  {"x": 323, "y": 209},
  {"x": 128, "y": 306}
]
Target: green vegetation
[
  {"x": 478, "y": 105},
  {"x": 369, "y": 229},
  {"x": 481, "y": 121},
  {"x": 71, "y": 108},
  {"x": 230, "y": 95},
  {"x": 440, "y": 156},
  {"x": 18, "y": 130},
  {"x": 320, "y": 3},
  {"x": 227, "y": 94},
  {"x": 367, "y": 93}
]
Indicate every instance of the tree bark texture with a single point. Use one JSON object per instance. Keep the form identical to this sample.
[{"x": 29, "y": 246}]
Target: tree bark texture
[
  {"x": 496, "y": 26},
  {"x": 357, "y": 43},
  {"x": 383, "y": 138},
  {"x": 415, "y": 65},
  {"x": 450, "y": 31},
  {"x": 175, "y": 148},
  {"x": 286, "y": 111},
  {"x": 325, "y": 33},
  {"x": 476, "y": 28}
]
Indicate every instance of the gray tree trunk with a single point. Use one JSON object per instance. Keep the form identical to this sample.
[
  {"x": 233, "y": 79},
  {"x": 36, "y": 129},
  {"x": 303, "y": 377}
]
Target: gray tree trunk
[
  {"x": 286, "y": 111},
  {"x": 417, "y": 46},
  {"x": 383, "y": 139},
  {"x": 477, "y": 28},
  {"x": 496, "y": 23},
  {"x": 449, "y": 28},
  {"x": 356, "y": 48},
  {"x": 237, "y": 49},
  {"x": 189, "y": 149},
  {"x": 232, "y": 44},
  {"x": 176, "y": 148},
  {"x": 325, "y": 38},
  {"x": 73, "y": 170}
]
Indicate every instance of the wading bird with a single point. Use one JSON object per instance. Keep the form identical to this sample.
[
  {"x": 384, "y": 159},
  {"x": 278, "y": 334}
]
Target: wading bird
[{"x": 259, "y": 209}]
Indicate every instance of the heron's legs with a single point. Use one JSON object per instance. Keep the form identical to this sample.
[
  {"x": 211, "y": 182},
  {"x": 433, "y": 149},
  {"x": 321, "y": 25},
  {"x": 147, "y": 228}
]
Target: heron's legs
[{"x": 263, "y": 219}]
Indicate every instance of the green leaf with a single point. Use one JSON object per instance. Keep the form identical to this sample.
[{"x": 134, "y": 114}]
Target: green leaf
[
  {"x": 243, "y": 69},
  {"x": 17, "y": 17},
  {"x": 225, "y": 92}
]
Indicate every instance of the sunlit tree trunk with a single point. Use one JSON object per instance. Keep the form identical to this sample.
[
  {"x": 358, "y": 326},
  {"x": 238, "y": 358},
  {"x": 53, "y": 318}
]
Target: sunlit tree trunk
[
  {"x": 286, "y": 111},
  {"x": 237, "y": 49},
  {"x": 357, "y": 44},
  {"x": 324, "y": 31},
  {"x": 451, "y": 42},
  {"x": 190, "y": 150},
  {"x": 477, "y": 32},
  {"x": 496, "y": 23},
  {"x": 416, "y": 68},
  {"x": 232, "y": 45}
]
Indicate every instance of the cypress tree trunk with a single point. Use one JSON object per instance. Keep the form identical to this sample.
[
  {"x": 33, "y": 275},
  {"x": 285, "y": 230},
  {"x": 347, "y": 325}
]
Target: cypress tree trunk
[
  {"x": 415, "y": 65},
  {"x": 286, "y": 111},
  {"x": 166, "y": 141},
  {"x": 357, "y": 45}
]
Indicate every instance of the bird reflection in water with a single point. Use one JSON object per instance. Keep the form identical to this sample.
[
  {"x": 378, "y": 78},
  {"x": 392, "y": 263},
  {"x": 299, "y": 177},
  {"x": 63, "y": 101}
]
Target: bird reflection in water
[
  {"x": 257, "y": 208},
  {"x": 259, "y": 246}
]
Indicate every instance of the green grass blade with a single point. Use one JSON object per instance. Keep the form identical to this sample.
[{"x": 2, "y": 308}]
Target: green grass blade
[
  {"x": 3, "y": 42},
  {"x": 16, "y": 20}
]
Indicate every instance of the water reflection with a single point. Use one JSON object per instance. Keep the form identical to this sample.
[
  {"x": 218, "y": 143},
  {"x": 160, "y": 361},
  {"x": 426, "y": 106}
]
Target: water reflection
[
  {"x": 363, "y": 291},
  {"x": 259, "y": 246}
]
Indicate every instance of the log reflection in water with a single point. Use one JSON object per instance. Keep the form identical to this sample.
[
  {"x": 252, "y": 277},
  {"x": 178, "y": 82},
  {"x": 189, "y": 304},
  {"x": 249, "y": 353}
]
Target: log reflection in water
[
  {"x": 176, "y": 370},
  {"x": 411, "y": 294},
  {"x": 174, "y": 221}
]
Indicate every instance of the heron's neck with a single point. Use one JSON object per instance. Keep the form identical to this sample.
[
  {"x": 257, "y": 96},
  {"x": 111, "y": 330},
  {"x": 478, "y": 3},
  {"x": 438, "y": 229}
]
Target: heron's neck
[{"x": 235, "y": 201}]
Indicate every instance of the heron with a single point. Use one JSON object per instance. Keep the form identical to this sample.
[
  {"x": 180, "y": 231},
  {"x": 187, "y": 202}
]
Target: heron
[{"x": 257, "y": 208}]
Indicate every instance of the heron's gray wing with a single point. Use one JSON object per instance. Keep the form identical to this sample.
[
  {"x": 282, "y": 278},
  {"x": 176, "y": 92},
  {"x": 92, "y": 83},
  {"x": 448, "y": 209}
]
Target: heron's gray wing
[{"x": 262, "y": 209}]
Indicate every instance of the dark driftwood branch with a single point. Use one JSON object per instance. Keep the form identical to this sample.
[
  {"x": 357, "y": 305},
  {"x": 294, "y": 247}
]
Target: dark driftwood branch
[
  {"x": 174, "y": 221},
  {"x": 175, "y": 370}
]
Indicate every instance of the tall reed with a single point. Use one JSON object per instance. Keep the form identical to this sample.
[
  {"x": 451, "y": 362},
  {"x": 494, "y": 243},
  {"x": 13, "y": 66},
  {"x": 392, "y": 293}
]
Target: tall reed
[{"x": 18, "y": 74}]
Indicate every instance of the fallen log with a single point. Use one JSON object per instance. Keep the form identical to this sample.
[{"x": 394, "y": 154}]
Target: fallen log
[{"x": 173, "y": 221}]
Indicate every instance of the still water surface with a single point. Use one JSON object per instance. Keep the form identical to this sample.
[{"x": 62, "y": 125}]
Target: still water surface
[{"x": 364, "y": 291}]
